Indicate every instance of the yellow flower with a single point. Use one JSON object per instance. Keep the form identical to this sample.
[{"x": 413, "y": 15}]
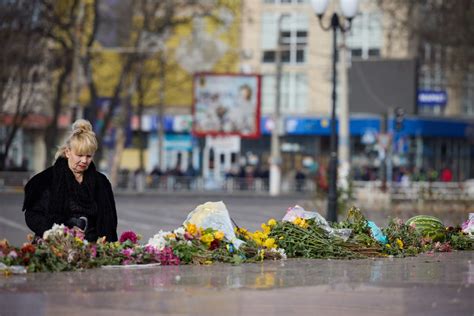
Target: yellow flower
[
  {"x": 388, "y": 246},
  {"x": 271, "y": 222},
  {"x": 270, "y": 243},
  {"x": 207, "y": 238},
  {"x": 171, "y": 236},
  {"x": 301, "y": 222},
  {"x": 261, "y": 254},
  {"x": 208, "y": 262},
  {"x": 78, "y": 241},
  {"x": 191, "y": 228},
  {"x": 266, "y": 229},
  {"x": 399, "y": 243},
  {"x": 219, "y": 235}
]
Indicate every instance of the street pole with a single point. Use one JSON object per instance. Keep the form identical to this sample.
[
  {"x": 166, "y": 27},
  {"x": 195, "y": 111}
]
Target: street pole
[
  {"x": 275, "y": 159},
  {"x": 332, "y": 193},
  {"x": 344, "y": 119},
  {"x": 349, "y": 9}
]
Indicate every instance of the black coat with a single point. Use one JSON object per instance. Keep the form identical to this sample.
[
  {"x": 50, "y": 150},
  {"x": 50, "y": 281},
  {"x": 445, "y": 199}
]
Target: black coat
[{"x": 45, "y": 201}]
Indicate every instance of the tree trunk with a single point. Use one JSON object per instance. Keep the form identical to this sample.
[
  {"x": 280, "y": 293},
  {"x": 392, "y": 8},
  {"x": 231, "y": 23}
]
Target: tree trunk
[
  {"x": 141, "y": 143},
  {"x": 51, "y": 133},
  {"x": 119, "y": 147},
  {"x": 161, "y": 113}
]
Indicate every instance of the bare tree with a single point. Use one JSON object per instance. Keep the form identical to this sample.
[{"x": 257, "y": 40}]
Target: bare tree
[
  {"x": 21, "y": 67},
  {"x": 441, "y": 34},
  {"x": 65, "y": 24},
  {"x": 143, "y": 40}
]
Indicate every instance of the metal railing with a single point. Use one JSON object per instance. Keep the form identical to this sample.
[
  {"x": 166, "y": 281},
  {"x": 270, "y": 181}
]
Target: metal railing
[
  {"x": 395, "y": 191},
  {"x": 14, "y": 180},
  {"x": 424, "y": 190},
  {"x": 169, "y": 183}
]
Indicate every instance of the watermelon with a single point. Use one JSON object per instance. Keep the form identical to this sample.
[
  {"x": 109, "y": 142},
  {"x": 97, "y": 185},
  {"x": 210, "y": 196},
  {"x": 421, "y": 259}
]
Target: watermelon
[{"x": 429, "y": 226}]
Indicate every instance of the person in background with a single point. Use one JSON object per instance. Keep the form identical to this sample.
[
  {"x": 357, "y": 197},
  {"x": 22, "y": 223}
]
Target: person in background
[
  {"x": 72, "y": 191},
  {"x": 446, "y": 174}
]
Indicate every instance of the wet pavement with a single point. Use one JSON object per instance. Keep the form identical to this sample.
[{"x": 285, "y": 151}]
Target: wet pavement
[{"x": 436, "y": 284}]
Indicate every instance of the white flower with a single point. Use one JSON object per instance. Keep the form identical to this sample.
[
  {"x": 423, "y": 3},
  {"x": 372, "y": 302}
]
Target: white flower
[
  {"x": 70, "y": 256},
  {"x": 56, "y": 230},
  {"x": 179, "y": 231},
  {"x": 158, "y": 241},
  {"x": 282, "y": 253}
]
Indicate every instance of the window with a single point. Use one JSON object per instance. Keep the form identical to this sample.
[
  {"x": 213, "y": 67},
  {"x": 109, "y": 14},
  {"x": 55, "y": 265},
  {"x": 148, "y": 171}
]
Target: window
[
  {"x": 294, "y": 38},
  {"x": 468, "y": 94},
  {"x": 294, "y": 93},
  {"x": 431, "y": 76},
  {"x": 284, "y": 1},
  {"x": 269, "y": 56},
  {"x": 365, "y": 37}
]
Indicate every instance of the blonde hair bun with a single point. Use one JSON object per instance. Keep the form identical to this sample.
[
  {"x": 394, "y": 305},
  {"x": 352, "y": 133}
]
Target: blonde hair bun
[{"x": 81, "y": 126}]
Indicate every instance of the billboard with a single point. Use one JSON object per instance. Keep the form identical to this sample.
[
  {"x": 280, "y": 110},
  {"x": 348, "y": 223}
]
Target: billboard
[
  {"x": 226, "y": 104},
  {"x": 380, "y": 84}
]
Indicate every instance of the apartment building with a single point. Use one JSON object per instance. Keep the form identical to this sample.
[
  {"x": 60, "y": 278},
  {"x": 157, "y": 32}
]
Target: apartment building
[{"x": 386, "y": 74}]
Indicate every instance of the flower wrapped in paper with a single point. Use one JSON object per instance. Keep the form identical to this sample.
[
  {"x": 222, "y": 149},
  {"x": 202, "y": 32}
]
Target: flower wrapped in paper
[{"x": 216, "y": 216}]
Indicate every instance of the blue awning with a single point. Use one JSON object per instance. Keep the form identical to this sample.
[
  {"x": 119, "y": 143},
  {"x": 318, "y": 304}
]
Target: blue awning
[
  {"x": 321, "y": 125},
  {"x": 435, "y": 127}
]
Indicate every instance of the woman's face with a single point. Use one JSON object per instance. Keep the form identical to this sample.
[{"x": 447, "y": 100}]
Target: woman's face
[{"x": 78, "y": 163}]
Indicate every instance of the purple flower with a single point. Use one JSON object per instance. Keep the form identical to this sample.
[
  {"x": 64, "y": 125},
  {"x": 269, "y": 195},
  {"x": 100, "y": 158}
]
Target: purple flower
[
  {"x": 167, "y": 257},
  {"x": 150, "y": 249},
  {"x": 128, "y": 235}
]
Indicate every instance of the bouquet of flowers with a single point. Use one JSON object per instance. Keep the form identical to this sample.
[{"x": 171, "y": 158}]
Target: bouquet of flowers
[
  {"x": 192, "y": 244},
  {"x": 306, "y": 238},
  {"x": 128, "y": 251},
  {"x": 60, "y": 249},
  {"x": 259, "y": 245}
]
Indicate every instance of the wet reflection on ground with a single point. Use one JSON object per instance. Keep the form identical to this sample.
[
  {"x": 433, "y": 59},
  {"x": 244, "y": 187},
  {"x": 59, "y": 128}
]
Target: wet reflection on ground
[{"x": 435, "y": 281}]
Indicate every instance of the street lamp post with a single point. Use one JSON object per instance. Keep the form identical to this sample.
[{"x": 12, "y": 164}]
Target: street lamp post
[
  {"x": 275, "y": 158},
  {"x": 349, "y": 9}
]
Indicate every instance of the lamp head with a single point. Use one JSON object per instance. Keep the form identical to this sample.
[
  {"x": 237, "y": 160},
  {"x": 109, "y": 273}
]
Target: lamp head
[
  {"x": 319, "y": 6},
  {"x": 349, "y": 8}
]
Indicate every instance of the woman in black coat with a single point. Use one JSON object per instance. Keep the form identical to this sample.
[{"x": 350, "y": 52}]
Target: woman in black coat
[{"x": 72, "y": 191}]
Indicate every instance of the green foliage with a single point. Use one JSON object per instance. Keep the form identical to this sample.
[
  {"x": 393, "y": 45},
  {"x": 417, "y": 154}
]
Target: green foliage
[
  {"x": 309, "y": 241},
  {"x": 459, "y": 240}
]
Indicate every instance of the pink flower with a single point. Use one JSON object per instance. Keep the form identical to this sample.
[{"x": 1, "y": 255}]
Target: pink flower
[
  {"x": 128, "y": 252},
  {"x": 13, "y": 254},
  {"x": 128, "y": 235},
  {"x": 79, "y": 234},
  {"x": 94, "y": 251},
  {"x": 167, "y": 257},
  {"x": 126, "y": 262},
  {"x": 188, "y": 236}
]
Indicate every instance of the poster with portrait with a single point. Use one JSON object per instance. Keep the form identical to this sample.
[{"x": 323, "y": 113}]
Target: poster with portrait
[{"x": 226, "y": 104}]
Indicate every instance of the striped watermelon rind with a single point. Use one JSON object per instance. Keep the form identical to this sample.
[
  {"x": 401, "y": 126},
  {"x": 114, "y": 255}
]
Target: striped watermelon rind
[{"x": 428, "y": 226}]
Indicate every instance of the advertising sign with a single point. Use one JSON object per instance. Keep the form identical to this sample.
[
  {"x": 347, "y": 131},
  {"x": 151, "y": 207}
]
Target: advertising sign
[
  {"x": 226, "y": 105},
  {"x": 432, "y": 98}
]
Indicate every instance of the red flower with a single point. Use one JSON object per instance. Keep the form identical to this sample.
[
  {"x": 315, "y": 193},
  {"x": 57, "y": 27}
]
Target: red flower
[
  {"x": 128, "y": 235},
  {"x": 28, "y": 248},
  {"x": 214, "y": 244}
]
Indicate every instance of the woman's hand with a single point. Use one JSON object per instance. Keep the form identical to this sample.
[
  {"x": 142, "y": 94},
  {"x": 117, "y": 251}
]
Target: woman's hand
[{"x": 80, "y": 222}]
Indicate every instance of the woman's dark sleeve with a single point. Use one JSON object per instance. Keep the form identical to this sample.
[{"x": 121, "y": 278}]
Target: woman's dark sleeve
[
  {"x": 36, "y": 215},
  {"x": 114, "y": 236}
]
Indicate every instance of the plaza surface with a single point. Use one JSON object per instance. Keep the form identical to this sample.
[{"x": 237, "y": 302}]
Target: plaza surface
[
  {"x": 429, "y": 284},
  {"x": 437, "y": 284}
]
